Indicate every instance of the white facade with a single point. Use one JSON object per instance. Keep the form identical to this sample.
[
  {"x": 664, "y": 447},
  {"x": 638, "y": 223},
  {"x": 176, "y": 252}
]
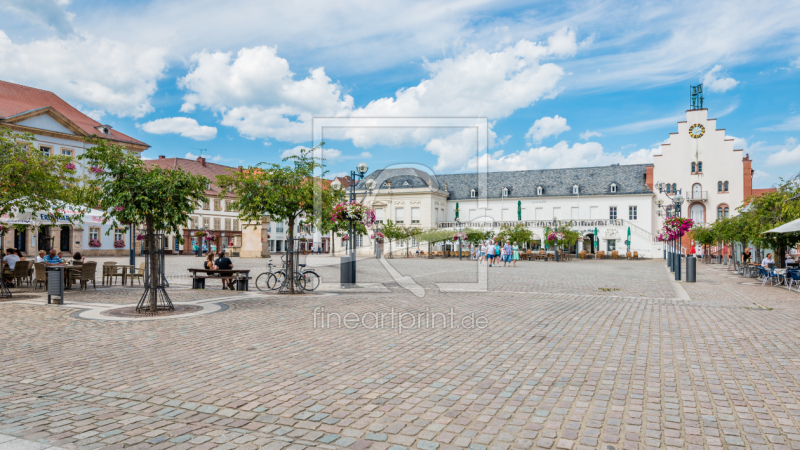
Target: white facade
[{"x": 713, "y": 176}]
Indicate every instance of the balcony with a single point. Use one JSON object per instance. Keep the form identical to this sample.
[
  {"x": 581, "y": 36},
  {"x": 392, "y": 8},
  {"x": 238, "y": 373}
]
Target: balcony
[{"x": 698, "y": 196}]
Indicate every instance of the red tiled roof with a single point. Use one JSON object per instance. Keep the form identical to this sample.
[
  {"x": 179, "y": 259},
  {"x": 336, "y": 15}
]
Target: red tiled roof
[
  {"x": 344, "y": 180},
  {"x": 198, "y": 167},
  {"x": 760, "y": 192},
  {"x": 16, "y": 99}
]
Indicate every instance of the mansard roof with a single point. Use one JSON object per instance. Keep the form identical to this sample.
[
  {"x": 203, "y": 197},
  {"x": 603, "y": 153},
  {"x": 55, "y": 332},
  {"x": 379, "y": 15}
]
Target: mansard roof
[{"x": 629, "y": 179}]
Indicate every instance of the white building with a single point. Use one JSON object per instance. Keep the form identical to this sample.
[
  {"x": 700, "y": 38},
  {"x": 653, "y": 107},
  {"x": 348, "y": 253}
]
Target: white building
[
  {"x": 699, "y": 160},
  {"x": 59, "y": 129}
]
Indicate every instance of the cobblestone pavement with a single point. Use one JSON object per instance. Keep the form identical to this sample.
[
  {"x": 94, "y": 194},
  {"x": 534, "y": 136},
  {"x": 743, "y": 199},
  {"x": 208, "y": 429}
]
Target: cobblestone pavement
[{"x": 583, "y": 354}]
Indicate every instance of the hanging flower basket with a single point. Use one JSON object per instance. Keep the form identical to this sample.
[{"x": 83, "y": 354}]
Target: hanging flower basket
[
  {"x": 461, "y": 236},
  {"x": 200, "y": 234},
  {"x": 353, "y": 211},
  {"x": 70, "y": 166},
  {"x": 94, "y": 243},
  {"x": 119, "y": 243},
  {"x": 140, "y": 237},
  {"x": 378, "y": 236},
  {"x": 555, "y": 237},
  {"x": 674, "y": 228},
  {"x": 345, "y": 238},
  {"x": 209, "y": 238}
]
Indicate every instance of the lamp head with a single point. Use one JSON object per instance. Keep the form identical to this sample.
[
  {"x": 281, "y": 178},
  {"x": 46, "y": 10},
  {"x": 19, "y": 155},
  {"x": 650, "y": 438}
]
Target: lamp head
[
  {"x": 660, "y": 185},
  {"x": 678, "y": 199},
  {"x": 370, "y": 184},
  {"x": 362, "y": 168},
  {"x": 659, "y": 202}
]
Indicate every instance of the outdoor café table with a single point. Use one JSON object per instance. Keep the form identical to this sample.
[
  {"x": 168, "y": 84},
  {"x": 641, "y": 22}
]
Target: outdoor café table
[
  {"x": 125, "y": 268},
  {"x": 781, "y": 273},
  {"x": 199, "y": 277}
]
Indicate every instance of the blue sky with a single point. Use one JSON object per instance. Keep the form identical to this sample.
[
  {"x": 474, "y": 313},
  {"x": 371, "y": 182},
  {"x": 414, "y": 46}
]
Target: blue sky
[{"x": 563, "y": 84}]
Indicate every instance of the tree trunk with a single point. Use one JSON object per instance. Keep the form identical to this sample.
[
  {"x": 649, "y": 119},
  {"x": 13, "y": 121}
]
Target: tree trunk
[
  {"x": 153, "y": 260},
  {"x": 290, "y": 257}
]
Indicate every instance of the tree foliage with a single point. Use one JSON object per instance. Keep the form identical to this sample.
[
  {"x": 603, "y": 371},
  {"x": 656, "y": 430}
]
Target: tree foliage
[
  {"x": 518, "y": 233},
  {"x": 29, "y": 180},
  {"x": 771, "y": 210},
  {"x": 132, "y": 193},
  {"x": 285, "y": 193}
]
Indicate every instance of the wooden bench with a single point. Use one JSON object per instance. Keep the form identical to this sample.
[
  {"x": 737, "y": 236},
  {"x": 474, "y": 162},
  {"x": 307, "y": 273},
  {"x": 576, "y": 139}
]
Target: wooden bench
[{"x": 241, "y": 277}]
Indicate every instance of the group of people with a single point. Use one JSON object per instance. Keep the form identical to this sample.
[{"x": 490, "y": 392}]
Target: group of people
[
  {"x": 768, "y": 261},
  {"x": 492, "y": 252},
  {"x": 202, "y": 250},
  {"x": 222, "y": 262},
  {"x": 14, "y": 255}
]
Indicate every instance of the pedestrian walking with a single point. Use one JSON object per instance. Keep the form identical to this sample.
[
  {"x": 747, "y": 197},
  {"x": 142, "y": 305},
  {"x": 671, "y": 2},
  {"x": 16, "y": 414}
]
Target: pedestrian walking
[
  {"x": 497, "y": 253},
  {"x": 490, "y": 253},
  {"x": 515, "y": 255},
  {"x": 507, "y": 253}
]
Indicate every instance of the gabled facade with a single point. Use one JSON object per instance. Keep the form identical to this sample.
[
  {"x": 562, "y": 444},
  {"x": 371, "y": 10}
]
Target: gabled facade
[{"x": 59, "y": 129}]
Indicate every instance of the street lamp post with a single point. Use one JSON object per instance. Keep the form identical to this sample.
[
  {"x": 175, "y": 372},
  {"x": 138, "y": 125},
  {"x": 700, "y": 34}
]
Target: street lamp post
[{"x": 348, "y": 272}]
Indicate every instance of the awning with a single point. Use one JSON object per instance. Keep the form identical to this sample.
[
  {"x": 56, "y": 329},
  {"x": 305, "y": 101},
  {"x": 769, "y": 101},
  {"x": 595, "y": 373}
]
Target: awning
[
  {"x": 790, "y": 227},
  {"x": 64, "y": 216}
]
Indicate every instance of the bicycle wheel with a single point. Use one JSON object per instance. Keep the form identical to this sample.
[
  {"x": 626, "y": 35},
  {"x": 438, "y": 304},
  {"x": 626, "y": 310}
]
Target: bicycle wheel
[
  {"x": 275, "y": 280},
  {"x": 263, "y": 281},
  {"x": 312, "y": 280},
  {"x": 299, "y": 282}
]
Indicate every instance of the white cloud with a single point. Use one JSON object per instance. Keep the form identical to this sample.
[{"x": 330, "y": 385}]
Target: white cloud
[
  {"x": 790, "y": 124},
  {"x": 590, "y": 134},
  {"x": 561, "y": 155},
  {"x": 332, "y": 175},
  {"x": 760, "y": 175},
  {"x": 796, "y": 63},
  {"x": 785, "y": 157},
  {"x": 545, "y": 127},
  {"x": 328, "y": 153},
  {"x": 715, "y": 84},
  {"x": 190, "y": 155},
  {"x": 738, "y": 143},
  {"x": 50, "y": 13},
  {"x": 101, "y": 74},
  {"x": 183, "y": 126},
  {"x": 256, "y": 93},
  {"x": 644, "y": 125}
]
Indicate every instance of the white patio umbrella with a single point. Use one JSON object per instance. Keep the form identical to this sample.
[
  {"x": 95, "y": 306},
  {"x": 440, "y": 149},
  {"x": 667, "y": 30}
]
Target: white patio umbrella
[{"x": 789, "y": 227}]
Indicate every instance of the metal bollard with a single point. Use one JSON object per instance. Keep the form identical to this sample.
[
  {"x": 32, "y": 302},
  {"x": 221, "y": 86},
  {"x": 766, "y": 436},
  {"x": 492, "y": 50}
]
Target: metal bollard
[
  {"x": 677, "y": 267},
  {"x": 691, "y": 269}
]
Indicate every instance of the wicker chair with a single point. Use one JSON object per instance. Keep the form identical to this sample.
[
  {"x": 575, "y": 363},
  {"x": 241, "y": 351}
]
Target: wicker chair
[
  {"x": 111, "y": 271},
  {"x": 21, "y": 272},
  {"x": 86, "y": 274},
  {"x": 41, "y": 275},
  {"x": 635, "y": 255},
  {"x": 614, "y": 254},
  {"x": 138, "y": 274},
  {"x": 601, "y": 254}
]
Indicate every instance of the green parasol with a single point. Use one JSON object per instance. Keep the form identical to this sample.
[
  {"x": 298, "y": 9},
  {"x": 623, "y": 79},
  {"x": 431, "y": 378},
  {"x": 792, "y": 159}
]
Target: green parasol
[
  {"x": 456, "y": 210},
  {"x": 629, "y": 239},
  {"x": 596, "y": 240},
  {"x": 519, "y": 210}
]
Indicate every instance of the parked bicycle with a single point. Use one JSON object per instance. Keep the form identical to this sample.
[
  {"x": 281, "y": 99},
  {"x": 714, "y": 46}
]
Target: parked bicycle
[{"x": 305, "y": 279}]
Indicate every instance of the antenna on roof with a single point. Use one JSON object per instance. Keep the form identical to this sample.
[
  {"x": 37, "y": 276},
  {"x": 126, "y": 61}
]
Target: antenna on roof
[{"x": 202, "y": 150}]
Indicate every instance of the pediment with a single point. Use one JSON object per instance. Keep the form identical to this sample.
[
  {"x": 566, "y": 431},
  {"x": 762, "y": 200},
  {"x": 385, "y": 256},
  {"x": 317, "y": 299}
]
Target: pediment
[{"x": 47, "y": 119}]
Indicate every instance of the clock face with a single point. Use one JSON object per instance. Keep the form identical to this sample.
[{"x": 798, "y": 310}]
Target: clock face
[{"x": 696, "y": 130}]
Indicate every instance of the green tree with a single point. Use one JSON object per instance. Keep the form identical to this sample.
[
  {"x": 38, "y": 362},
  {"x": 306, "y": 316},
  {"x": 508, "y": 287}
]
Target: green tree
[
  {"x": 285, "y": 193},
  {"x": 31, "y": 181},
  {"x": 132, "y": 193},
  {"x": 393, "y": 232},
  {"x": 518, "y": 233},
  {"x": 771, "y": 210},
  {"x": 705, "y": 236}
]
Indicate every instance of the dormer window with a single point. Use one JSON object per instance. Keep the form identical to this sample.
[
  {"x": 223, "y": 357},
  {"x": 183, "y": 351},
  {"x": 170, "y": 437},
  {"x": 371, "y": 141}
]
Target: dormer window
[
  {"x": 505, "y": 192},
  {"x": 473, "y": 193},
  {"x": 613, "y": 188},
  {"x": 405, "y": 183},
  {"x": 575, "y": 189},
  {"x": 539, "y": 190},
  {"x": 105, "y": 129}
]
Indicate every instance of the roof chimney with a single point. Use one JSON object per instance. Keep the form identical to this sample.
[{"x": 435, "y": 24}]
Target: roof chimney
[
  {"x": 161, "y": 156},
  {"x": 202, "y": 161}
]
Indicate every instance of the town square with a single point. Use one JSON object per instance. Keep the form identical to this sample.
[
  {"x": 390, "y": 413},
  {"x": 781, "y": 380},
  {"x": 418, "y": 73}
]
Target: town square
[{"x": 403, "y": 225}]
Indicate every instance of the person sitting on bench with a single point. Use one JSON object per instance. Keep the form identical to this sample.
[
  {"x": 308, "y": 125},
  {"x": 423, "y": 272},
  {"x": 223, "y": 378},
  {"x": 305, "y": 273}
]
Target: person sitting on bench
[{"x": 224, "y": 263}]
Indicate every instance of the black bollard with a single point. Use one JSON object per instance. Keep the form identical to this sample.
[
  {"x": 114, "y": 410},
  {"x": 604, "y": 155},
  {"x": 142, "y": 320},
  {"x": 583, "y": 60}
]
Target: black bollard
[
  {"x": 677, "y": 267},
  {"x": 691, "y": 269}
]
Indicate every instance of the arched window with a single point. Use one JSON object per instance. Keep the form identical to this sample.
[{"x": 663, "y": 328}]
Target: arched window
[
  {"x": 700, "y": 167},
  {"x": 539, "y": 190},
  {"x": 505, "y": 192},
  {"x": 473, "y": 193},
  {"x": 613, "y": 188},
  {"x": 719, "y": 186},
  {"x": 719, "y": 212},
  {"x": 674, "y": 187},
  {"x": 726, "y": 186},
  {"x": 668, "y": 188},
  {"x": 694, "y": 167},
  {"x": 575, "y": 189},
  {"x": 727, "y": 212}
]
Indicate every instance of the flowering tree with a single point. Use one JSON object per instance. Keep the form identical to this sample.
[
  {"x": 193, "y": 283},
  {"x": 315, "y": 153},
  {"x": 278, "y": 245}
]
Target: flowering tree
[
  {"x": 131, "y": 192},
  {"x": 285, "y": 193}
]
